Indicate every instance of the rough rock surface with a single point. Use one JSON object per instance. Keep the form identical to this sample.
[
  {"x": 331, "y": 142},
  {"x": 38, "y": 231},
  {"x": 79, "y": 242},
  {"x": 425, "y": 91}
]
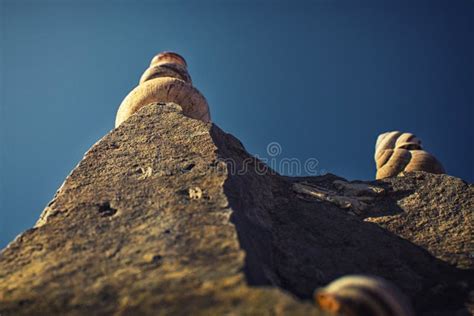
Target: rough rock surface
[
  {"x": 433, "y": 211},
  {"x": 157, "y": 219}
]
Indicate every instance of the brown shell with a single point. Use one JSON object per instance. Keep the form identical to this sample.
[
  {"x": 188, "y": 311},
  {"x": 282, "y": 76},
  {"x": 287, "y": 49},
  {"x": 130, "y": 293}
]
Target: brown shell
[
  {"x": 166, "y": 80},
  {"x": 168, "y": 58},
  {"x": 359, "y": 295},
  {"x": 396, "y": 152},
  {"x": 166, "y": 70}
]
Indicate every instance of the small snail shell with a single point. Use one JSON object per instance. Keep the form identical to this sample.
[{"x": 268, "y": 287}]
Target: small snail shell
[
  {"x": 396, "y": 152},
  {"x": 166, "y": 80},
  {"x": 358, "y": 295}
]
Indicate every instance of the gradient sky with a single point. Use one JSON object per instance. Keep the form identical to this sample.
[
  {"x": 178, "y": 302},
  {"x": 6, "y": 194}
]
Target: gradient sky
[{"x": 321, "y": 78}]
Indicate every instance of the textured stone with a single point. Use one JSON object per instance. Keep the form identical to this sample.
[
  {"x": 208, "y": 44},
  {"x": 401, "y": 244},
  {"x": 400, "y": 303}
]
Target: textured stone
[
  {"x": 433, "y": 211},
  {"x": 356, "y": 197},
  {"x": 123, "y": 236},
  {"x": 156, "y": 220}
]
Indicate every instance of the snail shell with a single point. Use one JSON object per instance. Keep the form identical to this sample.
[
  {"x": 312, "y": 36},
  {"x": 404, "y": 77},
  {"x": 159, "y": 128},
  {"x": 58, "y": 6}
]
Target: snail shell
[
  {"x": 358, "y": 295},
  {"x": 165, "y": 80},
  {"x": 396, "y": 152}
]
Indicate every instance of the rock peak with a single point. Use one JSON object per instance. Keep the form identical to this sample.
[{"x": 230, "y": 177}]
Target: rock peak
[{"x": 152, "y": 220}]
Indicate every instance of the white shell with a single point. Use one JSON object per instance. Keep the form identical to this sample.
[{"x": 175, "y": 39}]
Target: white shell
[
  {"x": 166, "y": 80},
  {"x": 396, "y": 152}
]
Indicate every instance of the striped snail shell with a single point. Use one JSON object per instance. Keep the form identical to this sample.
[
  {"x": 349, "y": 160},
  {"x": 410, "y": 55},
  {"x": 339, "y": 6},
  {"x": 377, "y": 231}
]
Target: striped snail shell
[
  {"x": 359, "y": 295},
  {"x": 396, "y": 152},
  {"x": 166, "y": 80}
]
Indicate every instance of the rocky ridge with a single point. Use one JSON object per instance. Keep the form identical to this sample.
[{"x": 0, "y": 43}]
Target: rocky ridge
[{"x": 154, "y": 221}]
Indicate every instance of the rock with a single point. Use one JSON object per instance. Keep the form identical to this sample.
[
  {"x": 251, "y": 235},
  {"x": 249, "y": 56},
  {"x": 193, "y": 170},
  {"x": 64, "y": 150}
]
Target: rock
[
  {"x": 357, "y": 197},
  {"x": 195, "y": 193},
  {"x": 126, "y": 234},
  {"x": 433, "y": 211},
  {"x": 116, "y": 242}
]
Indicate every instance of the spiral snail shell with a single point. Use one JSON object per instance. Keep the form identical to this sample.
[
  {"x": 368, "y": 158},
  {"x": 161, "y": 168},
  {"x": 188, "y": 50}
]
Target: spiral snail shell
[
  {"x": 165, "y": 80},
  {"x": 359, "y": 295},
  {"x": 396, "y": 152}
]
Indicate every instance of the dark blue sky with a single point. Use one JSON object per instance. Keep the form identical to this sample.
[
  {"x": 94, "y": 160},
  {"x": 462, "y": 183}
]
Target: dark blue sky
[{"x": 321, "y": 78}]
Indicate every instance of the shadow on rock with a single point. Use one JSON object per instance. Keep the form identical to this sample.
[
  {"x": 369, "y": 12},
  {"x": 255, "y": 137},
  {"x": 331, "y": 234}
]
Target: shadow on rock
[{"x": 299, "y": 245}]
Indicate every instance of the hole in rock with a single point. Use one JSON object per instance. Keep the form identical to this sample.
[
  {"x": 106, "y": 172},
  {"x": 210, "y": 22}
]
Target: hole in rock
[
  {"x": 189, "y": 167},
  {"x": 105, "y": 210}
]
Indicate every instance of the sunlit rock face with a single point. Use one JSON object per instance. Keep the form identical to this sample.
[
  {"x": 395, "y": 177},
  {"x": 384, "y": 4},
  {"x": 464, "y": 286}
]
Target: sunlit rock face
[
  {"x": 397, "y": 152},
  {"x": 153, "y": 221}
]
